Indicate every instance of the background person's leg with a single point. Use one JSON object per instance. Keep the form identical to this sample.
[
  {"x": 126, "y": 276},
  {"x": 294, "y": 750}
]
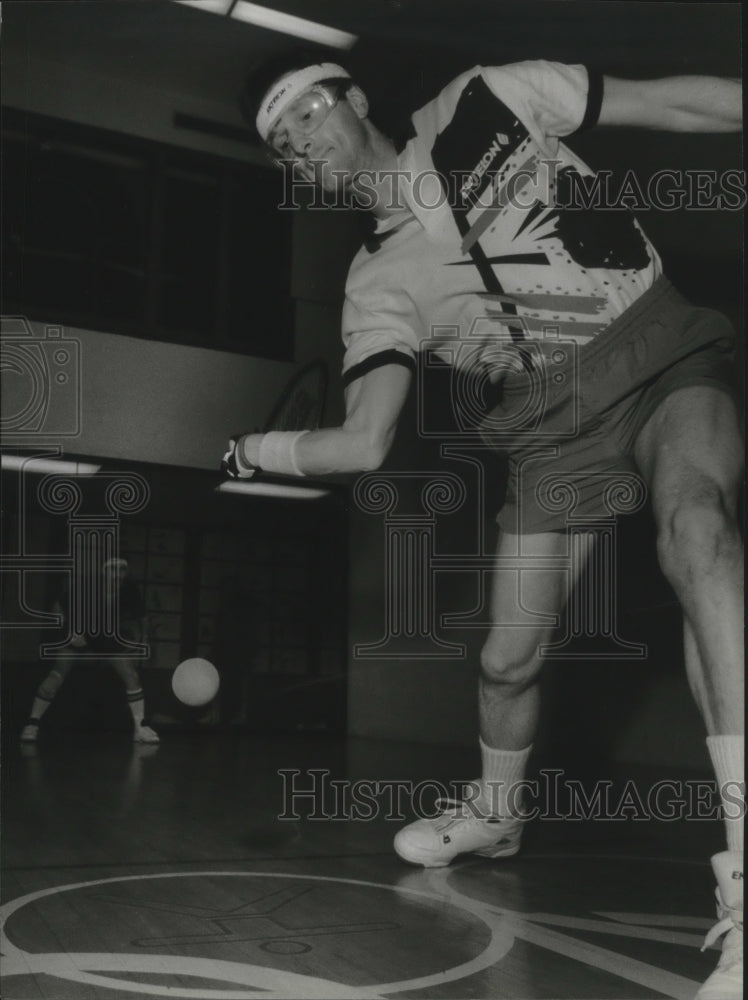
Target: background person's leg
[
  {"x": 128, "y": 673},
  {"x": 45, "y": 695}
]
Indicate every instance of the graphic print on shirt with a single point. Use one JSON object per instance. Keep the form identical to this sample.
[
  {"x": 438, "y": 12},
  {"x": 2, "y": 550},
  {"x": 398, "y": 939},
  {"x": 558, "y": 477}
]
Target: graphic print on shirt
[
  {"x": 480, "y": 138},
  {"x": 488, "y": 159},
  {"x": 596, "y": 237}
]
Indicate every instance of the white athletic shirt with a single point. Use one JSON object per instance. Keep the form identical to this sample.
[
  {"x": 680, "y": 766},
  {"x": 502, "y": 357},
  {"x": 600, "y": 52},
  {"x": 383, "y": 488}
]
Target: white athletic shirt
[{"x": 488, "y": 254}]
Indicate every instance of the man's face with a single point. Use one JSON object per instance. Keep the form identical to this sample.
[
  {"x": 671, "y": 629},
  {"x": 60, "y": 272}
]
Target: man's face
[{"x": 322, "y": 135}]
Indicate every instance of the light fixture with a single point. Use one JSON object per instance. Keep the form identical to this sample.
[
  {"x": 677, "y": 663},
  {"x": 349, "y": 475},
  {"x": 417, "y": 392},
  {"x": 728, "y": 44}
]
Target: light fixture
[
  {"x": 211, "y": 6},
  {"x": 289, "y": 492},
  {"x": 275, "y": 20},
  {"x": 289, "y": 24},
  {"x": 42, "y": 466}
]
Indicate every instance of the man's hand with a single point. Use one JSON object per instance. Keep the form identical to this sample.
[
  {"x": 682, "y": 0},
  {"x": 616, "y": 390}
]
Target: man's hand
[{"x": 234, "y": 463}]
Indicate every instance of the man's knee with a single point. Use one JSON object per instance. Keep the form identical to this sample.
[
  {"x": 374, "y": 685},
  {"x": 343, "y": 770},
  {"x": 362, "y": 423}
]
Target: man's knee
[
  {"x": 512, "y": 659},
  {"x": 697, "y": 531}
]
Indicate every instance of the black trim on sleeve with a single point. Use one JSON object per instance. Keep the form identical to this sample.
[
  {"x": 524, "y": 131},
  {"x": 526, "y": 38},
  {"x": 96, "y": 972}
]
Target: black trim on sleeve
[
  {"x": 594, "y": 100},
  {"x": 378, "y": 361},
  {"x": 373, "y": 240}
]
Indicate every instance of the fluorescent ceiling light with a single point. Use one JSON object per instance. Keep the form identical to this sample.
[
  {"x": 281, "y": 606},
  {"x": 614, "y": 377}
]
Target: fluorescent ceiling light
[
  {"x": 271, "y": 490},
  {"x": 27, "y": 463},
  {"x": 289, "y": 24},
  {"x": 212, "y": 6}
]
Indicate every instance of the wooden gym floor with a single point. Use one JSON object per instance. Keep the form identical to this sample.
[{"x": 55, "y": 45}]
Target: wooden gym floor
[{"x": 164, "y": 872}]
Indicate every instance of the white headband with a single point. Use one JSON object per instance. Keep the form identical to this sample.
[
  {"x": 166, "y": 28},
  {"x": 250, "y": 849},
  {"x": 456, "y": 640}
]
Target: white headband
[{"x": 289, "y": 87}]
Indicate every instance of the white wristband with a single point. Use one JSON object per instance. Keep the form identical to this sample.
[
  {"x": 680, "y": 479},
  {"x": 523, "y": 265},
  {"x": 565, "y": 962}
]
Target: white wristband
[
  {"x": 278, "y": 452},
  {"x": 242, "y": 464}
]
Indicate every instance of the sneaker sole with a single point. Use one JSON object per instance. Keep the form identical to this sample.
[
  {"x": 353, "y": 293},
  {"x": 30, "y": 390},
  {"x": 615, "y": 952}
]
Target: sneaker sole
[
  {"x": 498, "y": 851},
  {"x": 731, "y": 992},
  {"x": 492, "y": 851}
]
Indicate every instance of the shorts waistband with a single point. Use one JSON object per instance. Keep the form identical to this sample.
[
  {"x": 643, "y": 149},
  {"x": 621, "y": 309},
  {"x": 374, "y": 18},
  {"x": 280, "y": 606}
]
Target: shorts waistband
[{"x": 662, "y": 294}]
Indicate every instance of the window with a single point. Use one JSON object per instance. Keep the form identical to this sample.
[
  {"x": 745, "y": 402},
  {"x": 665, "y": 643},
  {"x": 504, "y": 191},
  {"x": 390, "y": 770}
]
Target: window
[{"x": 114, "y": 233}]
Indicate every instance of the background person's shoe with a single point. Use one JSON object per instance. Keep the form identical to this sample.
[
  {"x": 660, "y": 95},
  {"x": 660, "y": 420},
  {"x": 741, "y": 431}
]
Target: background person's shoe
[{"x": 144, "y": 734}]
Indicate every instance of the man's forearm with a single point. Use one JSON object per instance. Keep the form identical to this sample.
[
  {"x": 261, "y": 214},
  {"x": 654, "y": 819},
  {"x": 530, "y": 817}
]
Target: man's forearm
[
  {"x": 373, "y": 405},
  {"x": 705, "y": 103},
  {"x": 325, "y": 451},
  {"x": 674, "y": 103}
]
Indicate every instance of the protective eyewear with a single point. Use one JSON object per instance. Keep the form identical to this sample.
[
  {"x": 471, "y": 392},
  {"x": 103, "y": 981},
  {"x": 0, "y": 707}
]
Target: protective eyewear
[{"x": 302, "y": 117}]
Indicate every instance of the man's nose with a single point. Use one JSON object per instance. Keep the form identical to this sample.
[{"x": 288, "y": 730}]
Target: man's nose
[{"x": 301, "y": 144}]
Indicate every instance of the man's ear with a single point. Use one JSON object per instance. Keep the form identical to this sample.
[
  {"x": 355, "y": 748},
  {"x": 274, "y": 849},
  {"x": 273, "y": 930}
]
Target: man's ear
[{"x": 358, "y": 101}]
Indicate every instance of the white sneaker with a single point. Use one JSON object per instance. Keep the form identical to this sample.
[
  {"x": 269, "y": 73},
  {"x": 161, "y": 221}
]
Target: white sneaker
[
  {"x": 726, "y": 982},
  {"x": 144, "y": 734},
  {"x": 434, "y": 843},
  {"x": 30, "y": 731}
]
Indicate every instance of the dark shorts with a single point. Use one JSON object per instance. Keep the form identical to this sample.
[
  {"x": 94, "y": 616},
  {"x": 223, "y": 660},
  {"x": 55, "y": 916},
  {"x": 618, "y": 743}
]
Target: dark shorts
[
  {"x": 108, "y": 646},
  {"x": 569, "y": 428}
]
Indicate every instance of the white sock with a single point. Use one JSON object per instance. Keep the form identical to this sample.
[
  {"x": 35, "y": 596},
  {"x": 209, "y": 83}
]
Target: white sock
[
  {"x": 727, "y": 753},
  {"x": 502, "y": 769},
  {"x": 137, "y": 706},
  {"x": 39, "y": 707}
]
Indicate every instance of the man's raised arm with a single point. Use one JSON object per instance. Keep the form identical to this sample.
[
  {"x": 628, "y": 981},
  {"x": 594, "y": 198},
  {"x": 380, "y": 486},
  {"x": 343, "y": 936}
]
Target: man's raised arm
[{"x": 674, "y": 103}]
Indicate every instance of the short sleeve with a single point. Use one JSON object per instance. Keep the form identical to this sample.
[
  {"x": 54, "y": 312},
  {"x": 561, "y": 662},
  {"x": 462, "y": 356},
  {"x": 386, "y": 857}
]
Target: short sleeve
[
  {"x": 556, "y": 98},
  {"x": 380, "y": 324}
]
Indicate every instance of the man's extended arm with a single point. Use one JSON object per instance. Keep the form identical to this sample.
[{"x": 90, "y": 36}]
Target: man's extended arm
[
  {"x": 674, "y": 103},
  {"x": 373, "y": 405}
]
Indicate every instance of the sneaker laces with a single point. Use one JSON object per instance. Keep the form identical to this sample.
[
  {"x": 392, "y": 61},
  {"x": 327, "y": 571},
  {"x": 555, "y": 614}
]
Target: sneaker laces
[
  {"x": 731, "y": 917},
  {"x": 452, "y": 809}
]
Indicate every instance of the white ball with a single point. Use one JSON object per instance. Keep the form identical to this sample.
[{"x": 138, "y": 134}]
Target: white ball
[{"x": 195, "y": 681}]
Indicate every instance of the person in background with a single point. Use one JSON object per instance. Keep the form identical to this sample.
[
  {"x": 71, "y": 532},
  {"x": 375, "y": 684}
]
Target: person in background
[{"x": 120, "y": 593}]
